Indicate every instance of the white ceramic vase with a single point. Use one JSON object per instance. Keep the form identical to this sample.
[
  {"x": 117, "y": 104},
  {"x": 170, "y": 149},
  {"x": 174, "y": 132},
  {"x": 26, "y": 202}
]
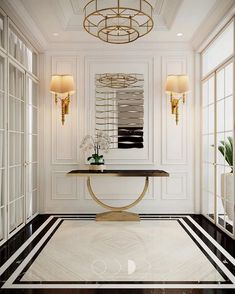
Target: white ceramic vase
[
  {"x": 227, "y": 192},
  {"x": 97, "y": 167}
]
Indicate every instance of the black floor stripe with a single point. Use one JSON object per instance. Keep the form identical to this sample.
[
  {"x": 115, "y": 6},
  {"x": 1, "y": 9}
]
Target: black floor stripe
[
  {"x": 212, "y": 247},
  {"x": 16, "y": 241},
  {"x": 25, "y": 253},
  {"x": 207, "y": 256},
  {"x": 37, "y": 253}
]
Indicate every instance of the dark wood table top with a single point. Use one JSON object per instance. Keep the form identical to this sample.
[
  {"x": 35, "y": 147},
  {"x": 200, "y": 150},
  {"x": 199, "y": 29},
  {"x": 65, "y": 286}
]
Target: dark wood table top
[{"x": 121, "y": 173}]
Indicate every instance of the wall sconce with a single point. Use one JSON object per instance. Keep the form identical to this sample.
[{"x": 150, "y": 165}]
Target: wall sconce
[
  {"x": 177, "y": 86},
  {"x": 63, "y": 87}
]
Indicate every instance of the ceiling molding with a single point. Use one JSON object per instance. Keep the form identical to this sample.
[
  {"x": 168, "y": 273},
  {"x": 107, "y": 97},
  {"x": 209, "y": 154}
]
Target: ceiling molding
[
  {"x": 64, "y": 11},
  {"x": 77, "y": 6},
  {"x": 221, "y": 12},
  {"x": 100, "y": 47},
  {"x": 158, "y": 7},
  {"x": 18, "y": 14},
  {"x": 169, "y": 11},
  {"x": 65, "y": 17}
]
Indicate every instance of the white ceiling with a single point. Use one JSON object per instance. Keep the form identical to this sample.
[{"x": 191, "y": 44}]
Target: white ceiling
[{"x": 65, "y": 18}]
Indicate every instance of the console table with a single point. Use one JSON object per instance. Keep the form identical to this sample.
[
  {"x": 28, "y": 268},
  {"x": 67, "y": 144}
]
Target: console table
[{"x": 118, "y": 213}]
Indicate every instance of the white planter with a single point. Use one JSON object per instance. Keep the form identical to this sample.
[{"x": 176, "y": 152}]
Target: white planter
[
  {"x": 97, "y": 167},
  {"x": 227, "y": 192}
]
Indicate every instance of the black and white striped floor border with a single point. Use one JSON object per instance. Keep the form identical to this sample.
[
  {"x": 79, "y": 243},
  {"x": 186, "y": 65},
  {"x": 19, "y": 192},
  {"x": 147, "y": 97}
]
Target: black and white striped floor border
[{"x": 13, "y": 269}]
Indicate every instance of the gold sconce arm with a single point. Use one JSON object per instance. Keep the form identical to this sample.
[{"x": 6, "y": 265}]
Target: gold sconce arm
[
  {"x": 175, "y": 108},
  {"x": 64, "y": 108},
  {"x": 67, "y": 102}
]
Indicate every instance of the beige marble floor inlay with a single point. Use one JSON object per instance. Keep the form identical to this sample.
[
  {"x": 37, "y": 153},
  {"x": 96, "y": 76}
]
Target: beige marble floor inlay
[{"x": 156, "y": 250}]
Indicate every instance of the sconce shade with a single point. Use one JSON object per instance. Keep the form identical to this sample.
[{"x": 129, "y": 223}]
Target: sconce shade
[
  {"x": 62, "y": 84},
  {"x": 177, "y": 84}
]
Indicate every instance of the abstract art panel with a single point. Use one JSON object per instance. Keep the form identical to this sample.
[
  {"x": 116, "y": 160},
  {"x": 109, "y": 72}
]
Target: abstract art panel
[{"x": 120, "y": 108}]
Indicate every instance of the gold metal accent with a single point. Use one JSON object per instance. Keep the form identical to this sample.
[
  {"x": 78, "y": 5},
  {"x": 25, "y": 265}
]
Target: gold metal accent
[
  {"x": 117, "y": 213},
  {"x": 56, "y": 98},
  {"x": 118, "y": 80},
  {"x": 64, "y": 108},
  {"x": 175, "y": 108},
  {"x": 118, "y": 24},
  {"x": 118, "y": 216}
]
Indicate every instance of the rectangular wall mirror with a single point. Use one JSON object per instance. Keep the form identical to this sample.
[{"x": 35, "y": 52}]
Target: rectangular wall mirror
[{"x": 120, "y": 108}]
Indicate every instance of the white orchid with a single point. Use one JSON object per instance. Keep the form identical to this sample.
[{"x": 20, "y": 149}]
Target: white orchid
[{"x": 100, "y": 141}]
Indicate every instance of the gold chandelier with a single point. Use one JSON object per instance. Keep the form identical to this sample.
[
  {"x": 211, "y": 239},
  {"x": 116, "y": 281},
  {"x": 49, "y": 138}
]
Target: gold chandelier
[{"x": 118, "y": 21}]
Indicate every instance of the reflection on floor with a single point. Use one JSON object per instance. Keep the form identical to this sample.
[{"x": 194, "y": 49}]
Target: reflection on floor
[{"x": 158, "y": 252}]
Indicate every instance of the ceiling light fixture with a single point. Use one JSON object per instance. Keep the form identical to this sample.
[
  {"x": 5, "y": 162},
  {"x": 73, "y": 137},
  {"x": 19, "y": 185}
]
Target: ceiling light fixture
[
  {"x": 179, "y": 34},
  {"x": 116, "y": 22}
]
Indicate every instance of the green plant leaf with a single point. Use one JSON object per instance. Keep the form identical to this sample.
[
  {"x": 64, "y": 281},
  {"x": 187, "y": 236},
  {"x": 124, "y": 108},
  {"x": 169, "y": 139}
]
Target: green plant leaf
[
  {"x": 228, "y": 154},
  {"x": 221, "y": 149},
  {"x": 226, "y": 149}
]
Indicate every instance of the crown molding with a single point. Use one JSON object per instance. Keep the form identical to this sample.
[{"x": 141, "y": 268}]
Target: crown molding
[
  {"x": 169, "y": 11},
  {"x": 219, "y": 15},
  {"x": 64, "y": 10},
  {"x": 139, "y": 45},
  {"x": 18, "y": 14}
]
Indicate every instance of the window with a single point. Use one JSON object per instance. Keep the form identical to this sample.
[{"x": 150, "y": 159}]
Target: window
[
  {"x": 218, "y": 130},
  {"x": 218, "y": 51}
]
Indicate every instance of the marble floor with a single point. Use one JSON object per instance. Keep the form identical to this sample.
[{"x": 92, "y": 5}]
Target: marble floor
[
  {"x": 156, "y": 250},
  {"x": 171, "y": 252}
]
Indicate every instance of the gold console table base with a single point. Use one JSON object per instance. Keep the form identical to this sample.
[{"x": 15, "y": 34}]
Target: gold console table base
[
  {"x": 117, "y": 216},
  {"x": 117, "y": 213}
]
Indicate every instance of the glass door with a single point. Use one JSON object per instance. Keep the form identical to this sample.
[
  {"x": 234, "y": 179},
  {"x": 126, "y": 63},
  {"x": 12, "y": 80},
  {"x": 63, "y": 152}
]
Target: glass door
[
  {"x": 16, "y": 156},
  {"x": 224, "y": 147},
  {"x": 208, "y": 149},
  {"x": 3, "y": 149},
  {"x": 217, "y": 69},
  {"x": 31, "y": 147}
]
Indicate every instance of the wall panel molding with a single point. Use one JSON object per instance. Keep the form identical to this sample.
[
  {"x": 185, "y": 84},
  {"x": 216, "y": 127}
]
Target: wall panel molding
[
  {"x": 175, "y": 187},
  {"x": 167, "y": 147},
  {"x": 64, "y": 187}
]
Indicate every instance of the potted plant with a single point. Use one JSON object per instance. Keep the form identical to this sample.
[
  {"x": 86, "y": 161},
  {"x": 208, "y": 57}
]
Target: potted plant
[
  {"x": 227, "y": 179},
  {"x": 100, "y": 141}
]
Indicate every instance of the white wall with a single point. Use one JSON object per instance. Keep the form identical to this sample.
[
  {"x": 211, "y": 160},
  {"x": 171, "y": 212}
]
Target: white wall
[{"x": 167, "y": 146}]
